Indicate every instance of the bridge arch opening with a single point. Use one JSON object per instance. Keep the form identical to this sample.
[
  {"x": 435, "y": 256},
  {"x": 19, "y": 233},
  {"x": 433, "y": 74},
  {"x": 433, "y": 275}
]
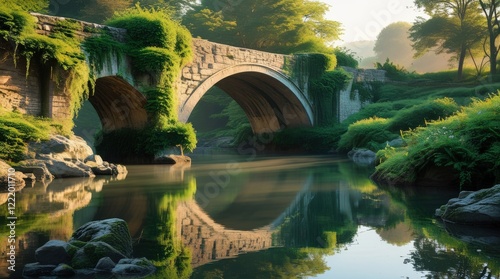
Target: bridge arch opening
[
  {"x": 269, "y": 99},
  {"x": 118, "y": 104}
]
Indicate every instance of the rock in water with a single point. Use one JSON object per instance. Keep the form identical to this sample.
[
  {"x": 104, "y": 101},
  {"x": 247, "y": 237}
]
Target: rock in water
[
  {"x": 136, "y": 267},
  {"x": 54, "y": 252},
  {"x": 92, "y": 252},
  {"x": 89, "y": 255},
  {"x": 111, "y": 231},
  {"x": 362, "y": 157},
  {"x": 473, "y": 208}
]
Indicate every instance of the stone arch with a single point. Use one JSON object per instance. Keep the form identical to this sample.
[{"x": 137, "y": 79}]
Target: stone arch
[
  {"x": 270, "y": 100},
  {"x": 118, "y": 104}
]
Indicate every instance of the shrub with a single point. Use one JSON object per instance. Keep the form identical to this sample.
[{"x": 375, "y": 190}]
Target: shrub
[
  {"x": 369, "y": 133},
  {"x": 466, "y": 142},
  {"x": 418, "y": 115},
  {"x": 345, "y": 57},
  {"x": 129, "y": 145},
  {"x": 394, "y": 72},
  {"x": 312, "y": 139}
]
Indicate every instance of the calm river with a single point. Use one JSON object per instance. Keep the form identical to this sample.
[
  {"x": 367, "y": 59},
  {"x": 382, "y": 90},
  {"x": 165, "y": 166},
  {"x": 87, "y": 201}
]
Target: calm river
[{"x": 264, "y": 217}]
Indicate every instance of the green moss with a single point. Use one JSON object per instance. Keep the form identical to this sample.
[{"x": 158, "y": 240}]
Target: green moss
[
  {"x": 159, "y": 48},
  {"x": 156, "y": 60},
  {"x": 323, "y": 91},
  {"x": 60, "y": 49},
  {"x": 17, "y": 129},
  {"x": 101, "y": 49}
]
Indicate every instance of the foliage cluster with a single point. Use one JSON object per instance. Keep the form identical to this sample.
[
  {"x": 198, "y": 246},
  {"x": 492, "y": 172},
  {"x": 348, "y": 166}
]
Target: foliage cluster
[
  {"x": 310, "y": 139},
  {"x": 17, "y": 129},
  {"x": 468, "y": 142},
  {"x": 59, "y": 50},
  {"x": 323, "y": 90},
  {"x": 371, "y": 133},
  {"x": 345, "y": 57},
  {"x": 27, "y": 5},
  {"x": 324, "y": 82},
  {"x": 415, "y": 91},
  {"x": 159, "y": 47},
  {"x": 374, "y": 132},
  {"x": 394, "y": 72},
  {"x": 284, "y": 26},
  {"x": 129, "y": 145},
  {"x": 367, "y": 91}
]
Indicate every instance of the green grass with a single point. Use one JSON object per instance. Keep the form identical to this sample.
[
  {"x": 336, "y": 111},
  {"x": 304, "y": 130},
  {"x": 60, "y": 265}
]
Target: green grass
[
  {"x": 468, "y": 142},
  {"x": 17, "y": 129},
  {"x": 373, "y": 131}
]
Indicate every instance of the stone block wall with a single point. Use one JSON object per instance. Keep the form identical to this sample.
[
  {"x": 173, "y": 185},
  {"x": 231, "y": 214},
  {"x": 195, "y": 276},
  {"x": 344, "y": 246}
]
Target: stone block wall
[
  {"x": 349, "y": 102},
  {"x": 46, "y": 24},
  {"x": 19, "y": 91},
  {"x": 211, "y": 57}
]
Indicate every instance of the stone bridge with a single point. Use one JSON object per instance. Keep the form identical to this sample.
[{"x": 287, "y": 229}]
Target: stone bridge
[{"x": 271, "y": 88}]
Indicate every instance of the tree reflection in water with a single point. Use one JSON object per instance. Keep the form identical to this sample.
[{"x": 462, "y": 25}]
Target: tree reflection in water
[{"x": 443, "y": 262}]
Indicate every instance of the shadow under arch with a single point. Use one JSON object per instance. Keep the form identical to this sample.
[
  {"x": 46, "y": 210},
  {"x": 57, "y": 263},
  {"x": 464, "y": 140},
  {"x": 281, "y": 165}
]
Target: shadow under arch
[
  {"x": 270, "y": 100},
  {"x": 118, "y": 104}
]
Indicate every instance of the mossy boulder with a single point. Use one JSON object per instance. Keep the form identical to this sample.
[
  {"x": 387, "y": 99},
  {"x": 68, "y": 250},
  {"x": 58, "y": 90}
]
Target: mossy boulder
[
  {"x": 89, "y": 255},
  {"x": 137, "y": 267},
  {"x": 111, "y": 231},
  {"x": 473, "y": 208},
  {"x": 55, "y": 252}
]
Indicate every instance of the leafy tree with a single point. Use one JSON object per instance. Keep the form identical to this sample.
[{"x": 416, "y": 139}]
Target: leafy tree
[
  {"x": 393, "y": 43},
  {"x": 27, "y": 5},
  {"x": 179, "y": 7},
  {"x": 100, "y": 10},
  {"x": 455, "y": 27},
  {"x": 491, "y": 9},
  {"x": 272, "y": 25}
]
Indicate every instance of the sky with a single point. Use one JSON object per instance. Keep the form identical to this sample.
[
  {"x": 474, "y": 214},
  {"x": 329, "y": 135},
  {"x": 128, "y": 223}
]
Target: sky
[{"x": 364, "y": 19}]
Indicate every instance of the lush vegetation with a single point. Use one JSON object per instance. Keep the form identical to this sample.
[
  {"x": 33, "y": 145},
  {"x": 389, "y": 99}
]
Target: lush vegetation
[
  {"x": 467, "y": 142},
  {"x": 17, "y": 129},
  {"x": 61, "y": 49},
  {"x": 374, "y": 132},
  {"x": 159, "y": 47}
]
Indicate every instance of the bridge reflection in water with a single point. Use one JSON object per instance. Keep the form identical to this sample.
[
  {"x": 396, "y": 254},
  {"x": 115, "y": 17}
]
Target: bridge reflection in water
[{"x": 265, "y": 216}]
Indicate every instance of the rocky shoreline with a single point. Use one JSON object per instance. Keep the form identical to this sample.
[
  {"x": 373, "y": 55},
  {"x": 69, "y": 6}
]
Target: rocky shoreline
[
  {"x": 479, "y": 208},
  {"x": 58, "y": 157},
  {"x": 98, "y": 249}
]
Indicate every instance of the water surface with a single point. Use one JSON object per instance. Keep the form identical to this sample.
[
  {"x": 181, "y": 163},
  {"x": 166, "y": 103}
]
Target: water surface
[{"x": 269, "y": 217}]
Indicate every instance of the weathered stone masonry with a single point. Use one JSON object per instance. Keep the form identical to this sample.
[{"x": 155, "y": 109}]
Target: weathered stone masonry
[{"x": 264, "y": 84}]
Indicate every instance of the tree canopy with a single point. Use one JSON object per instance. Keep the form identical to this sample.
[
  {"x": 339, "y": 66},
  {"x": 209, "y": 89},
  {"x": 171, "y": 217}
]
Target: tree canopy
[
  {"x": 455, "y": 27},
  {"x": 27, "y": 5},
  {"x": 273, "y": 25},
  {"x": 491, "y": 9}
]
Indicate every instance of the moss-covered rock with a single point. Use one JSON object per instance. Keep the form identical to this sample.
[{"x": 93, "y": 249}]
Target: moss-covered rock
[
  {"x": 89, "y": 255},
  {"x": 111, "y": 231}
]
